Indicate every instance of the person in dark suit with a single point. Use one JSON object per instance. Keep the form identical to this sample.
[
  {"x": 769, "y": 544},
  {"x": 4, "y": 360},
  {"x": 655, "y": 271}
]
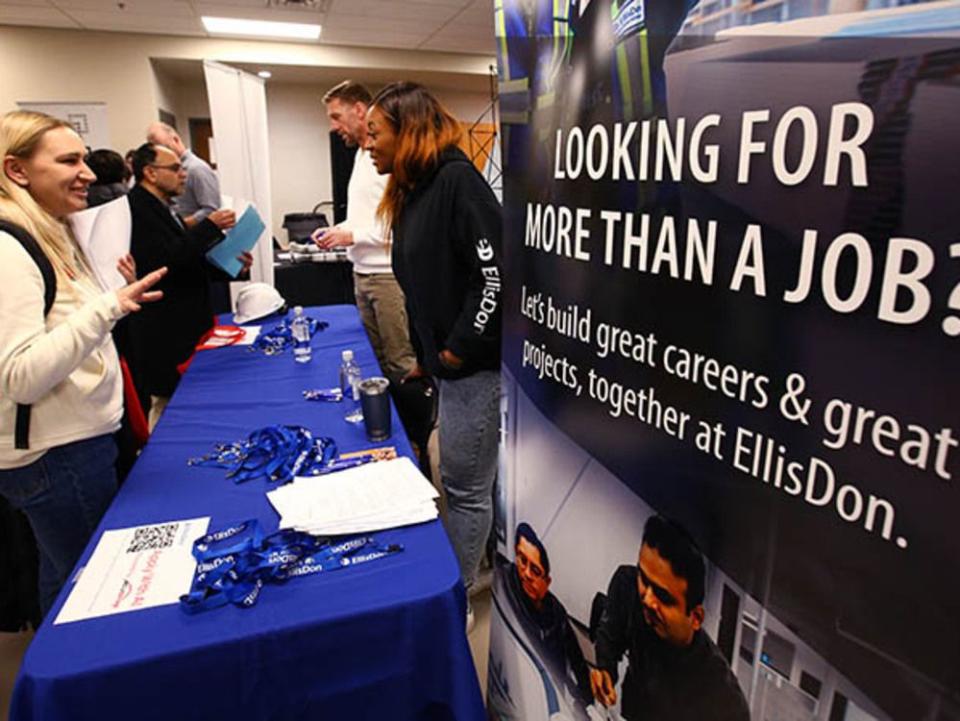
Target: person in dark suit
[{"x": 165, "y": 337}]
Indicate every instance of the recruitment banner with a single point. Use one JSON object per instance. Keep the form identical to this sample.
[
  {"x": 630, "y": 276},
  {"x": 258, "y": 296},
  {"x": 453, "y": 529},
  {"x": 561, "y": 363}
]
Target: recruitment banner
[{"x": 729, "y": 486}]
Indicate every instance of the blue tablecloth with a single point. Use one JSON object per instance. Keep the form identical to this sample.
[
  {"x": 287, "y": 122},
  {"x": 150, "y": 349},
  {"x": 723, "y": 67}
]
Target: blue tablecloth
[{"x": 383, "y": 640}]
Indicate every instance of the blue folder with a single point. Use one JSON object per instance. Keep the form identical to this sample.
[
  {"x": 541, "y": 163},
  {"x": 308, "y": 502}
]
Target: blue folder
[{"x": 240, "y": 238}]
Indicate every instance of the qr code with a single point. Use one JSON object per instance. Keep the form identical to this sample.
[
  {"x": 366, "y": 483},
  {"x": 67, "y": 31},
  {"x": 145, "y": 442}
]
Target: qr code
[{"x": 153, "y": 538}]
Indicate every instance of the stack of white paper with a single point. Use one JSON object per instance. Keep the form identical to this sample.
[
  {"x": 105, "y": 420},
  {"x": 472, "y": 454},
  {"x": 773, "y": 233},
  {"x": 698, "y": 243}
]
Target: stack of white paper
[
  {"x": 371, "y": 497},
  {"x": 103, "y": 232}
]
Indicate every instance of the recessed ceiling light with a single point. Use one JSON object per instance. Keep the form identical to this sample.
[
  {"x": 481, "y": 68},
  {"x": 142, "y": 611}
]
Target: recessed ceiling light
[
  {"x": 260, "y": 28},
  {"x": 265, "y": 74}
]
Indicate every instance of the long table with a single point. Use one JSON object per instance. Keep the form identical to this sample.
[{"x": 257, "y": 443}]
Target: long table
[{"x": 384, "y": 640}]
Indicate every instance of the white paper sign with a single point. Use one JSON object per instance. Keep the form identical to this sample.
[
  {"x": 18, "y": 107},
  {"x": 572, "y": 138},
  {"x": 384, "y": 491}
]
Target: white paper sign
[
  {"x": 135, "y": 568},
  {"x": 88, "y": 119}
]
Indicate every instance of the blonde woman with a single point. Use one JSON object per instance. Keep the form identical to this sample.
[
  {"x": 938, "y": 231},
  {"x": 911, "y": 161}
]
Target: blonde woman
[{"x": 58, "y": 367}]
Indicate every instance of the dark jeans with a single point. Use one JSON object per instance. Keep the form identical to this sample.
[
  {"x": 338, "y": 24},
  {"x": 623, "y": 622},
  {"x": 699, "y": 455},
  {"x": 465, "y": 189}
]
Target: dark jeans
[{"x": 64, "y": 495}]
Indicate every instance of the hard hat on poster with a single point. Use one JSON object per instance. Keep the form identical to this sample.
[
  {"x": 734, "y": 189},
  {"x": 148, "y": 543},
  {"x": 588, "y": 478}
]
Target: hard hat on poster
[{"x": 257, "y": 300}]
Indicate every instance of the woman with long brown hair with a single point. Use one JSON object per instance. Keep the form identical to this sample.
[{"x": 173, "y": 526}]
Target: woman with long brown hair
[
  {"x": 60, "y": 385},
  {"x": 447, "y": 226}
]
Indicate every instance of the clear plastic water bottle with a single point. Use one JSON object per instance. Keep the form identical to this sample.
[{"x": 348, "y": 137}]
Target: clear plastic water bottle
[
  {"x": 300, "y": 330},
  {"x": 350, "y": 385}
]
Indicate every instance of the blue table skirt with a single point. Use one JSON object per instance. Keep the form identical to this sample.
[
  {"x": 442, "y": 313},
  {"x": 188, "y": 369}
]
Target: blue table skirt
[{"x": 380, "y": 641}]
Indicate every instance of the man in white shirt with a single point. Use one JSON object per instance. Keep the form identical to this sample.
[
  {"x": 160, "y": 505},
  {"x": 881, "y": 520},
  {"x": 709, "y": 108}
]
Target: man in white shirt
[
  {"x": 201, "y": 193},
  {"x": 379, "y": 298}
]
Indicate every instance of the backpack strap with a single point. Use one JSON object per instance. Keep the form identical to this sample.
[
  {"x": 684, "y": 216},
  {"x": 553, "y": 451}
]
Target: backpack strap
[
  {"x": 32, "y": 247},
  {"x": 21, "y": 434}
]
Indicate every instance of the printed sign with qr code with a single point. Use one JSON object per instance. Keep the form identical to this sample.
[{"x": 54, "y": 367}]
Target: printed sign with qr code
[
  {"x": 135, "y": 568},
  {"x": 152, "y": 538}
]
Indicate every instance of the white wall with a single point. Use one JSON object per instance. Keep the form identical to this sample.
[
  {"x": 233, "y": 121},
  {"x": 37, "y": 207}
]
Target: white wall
[
  {"x": 299, "y": 151},
  {"x": 81, "y": 67},
  {"x": 165, "y": 89},
  {"x": 184, "y": 99},
  {"x": 467, "y": 107},
  {"x": 190, "y": 102},
  {"x": 300, "y": 143}
]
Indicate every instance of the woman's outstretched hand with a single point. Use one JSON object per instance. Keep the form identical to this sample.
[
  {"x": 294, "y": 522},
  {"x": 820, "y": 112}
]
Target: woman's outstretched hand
[{"x": 132, "y": 295}]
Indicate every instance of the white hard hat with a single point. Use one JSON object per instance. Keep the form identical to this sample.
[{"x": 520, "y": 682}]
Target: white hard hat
[{"x": 257, "y": 300}]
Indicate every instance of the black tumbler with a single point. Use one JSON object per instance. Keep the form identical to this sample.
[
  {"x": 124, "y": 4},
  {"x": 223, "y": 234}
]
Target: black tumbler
[{"x": 375, "y": 402}]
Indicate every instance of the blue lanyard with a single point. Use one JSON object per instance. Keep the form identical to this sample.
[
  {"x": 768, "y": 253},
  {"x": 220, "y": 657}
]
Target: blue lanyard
[
  {"x": 247, "y": 561},
  {"x": 276, "y": 453},
  {"x": 330, "y": 395},
  {"x": 280, "y": 337},
  {"x": 228, "y": 541}
]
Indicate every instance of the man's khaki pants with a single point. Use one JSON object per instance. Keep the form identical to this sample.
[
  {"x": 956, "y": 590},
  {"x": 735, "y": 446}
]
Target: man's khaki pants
[{"x": 384, "y": 314}]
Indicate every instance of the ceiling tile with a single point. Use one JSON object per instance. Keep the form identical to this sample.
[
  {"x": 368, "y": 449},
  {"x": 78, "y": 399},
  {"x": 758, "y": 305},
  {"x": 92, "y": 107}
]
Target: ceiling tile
[
  {"x": 33, "y": 15},
  {"x": 480, "y": 45},
  {"x": 448, "y": 25},
  {"x": 345, "y": 5},
  {"x": 379, "y": 10},
  {"x": 351, "y": 23},
  {"x": 475, "y": 13},
  {"x": 259, "y": 12},
  {"x": 450, "y": 3},
  {"x": 462, "y": 34},
  {"x": 172, "y": 8},
  {"x": 258, "y": 4},
  {"x": 33, "y": 3},
  {"x": 385, "y": 39},
  {"x": 131, "y": 7},
  {"x": 139, "y": 23}
]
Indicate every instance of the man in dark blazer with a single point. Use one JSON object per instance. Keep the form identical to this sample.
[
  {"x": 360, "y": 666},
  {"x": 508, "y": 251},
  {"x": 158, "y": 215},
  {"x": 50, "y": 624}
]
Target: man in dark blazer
[{"x": 165, "y": 334}]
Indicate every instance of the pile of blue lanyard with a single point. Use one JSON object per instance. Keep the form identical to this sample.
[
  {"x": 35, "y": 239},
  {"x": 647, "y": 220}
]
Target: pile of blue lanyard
[
  {"x": 278, "y": 454},
  {"x": 279, "y": 338},
  {"x": 233, "y": 564}
]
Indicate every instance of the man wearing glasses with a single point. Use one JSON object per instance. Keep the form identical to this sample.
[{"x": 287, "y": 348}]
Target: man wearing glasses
[
  {"x": 200, "y": 194},
  {"x": 165, "y": 336},
  {"x": 543, "y": 616},
  {"x": 654, "y": 613}
]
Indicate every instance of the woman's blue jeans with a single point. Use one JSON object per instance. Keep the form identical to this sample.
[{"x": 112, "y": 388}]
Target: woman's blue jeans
[
  {"x": 469, "y": 438},
  {"x": 64, "y": 494}
]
